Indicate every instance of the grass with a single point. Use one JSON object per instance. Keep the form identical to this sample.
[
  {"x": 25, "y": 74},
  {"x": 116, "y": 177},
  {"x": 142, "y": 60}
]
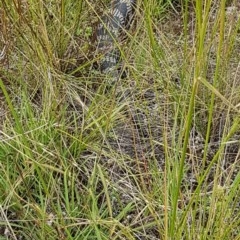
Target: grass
[{"x": 80, "y": 162}]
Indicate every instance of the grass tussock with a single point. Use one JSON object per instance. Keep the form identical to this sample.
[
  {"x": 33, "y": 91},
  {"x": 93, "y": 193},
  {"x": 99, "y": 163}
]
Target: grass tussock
[{"x": 155, "y": 156}]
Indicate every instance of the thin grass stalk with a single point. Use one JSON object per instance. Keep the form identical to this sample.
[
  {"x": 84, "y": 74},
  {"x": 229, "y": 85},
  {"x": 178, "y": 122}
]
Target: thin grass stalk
[
  {"x": 156, "y": 52},
  {"x": 182, "y": 159},
  {"x": 19, "y": 127},
  {"x": 216, "y": 77},
  {"x": 202, "y": 21},
  {"x": 233, "y": 129},
  {"x": 62, "y": 24},
  {"x": 185, "y": 13},
  {"x": 166, "y": 184}
]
